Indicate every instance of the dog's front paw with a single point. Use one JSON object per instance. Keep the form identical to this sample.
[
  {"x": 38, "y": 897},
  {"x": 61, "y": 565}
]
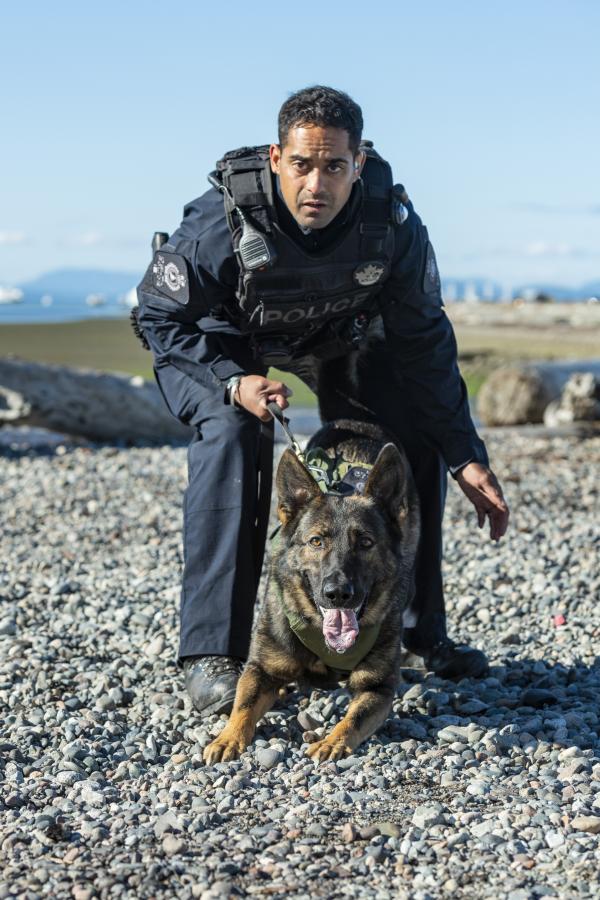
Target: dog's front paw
[
  {"x": 224, "y": 748},
  {"x": 329, "y": 748}
]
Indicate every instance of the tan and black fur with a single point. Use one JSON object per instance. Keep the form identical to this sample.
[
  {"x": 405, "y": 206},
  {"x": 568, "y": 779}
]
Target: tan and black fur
[{"x": 361, "y": 550}]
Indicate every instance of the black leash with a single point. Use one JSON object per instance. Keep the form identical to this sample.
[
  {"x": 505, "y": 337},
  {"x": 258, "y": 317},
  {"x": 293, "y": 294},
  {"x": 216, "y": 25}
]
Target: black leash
[{"x": 277, "y": 413}]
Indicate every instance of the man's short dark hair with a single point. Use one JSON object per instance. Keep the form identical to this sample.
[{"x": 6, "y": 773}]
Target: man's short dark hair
[{"x": 322, "y": 106}]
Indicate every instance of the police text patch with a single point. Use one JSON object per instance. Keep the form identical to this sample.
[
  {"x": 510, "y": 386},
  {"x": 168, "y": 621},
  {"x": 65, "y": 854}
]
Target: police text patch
[
  {"x": 431, "y": 275},
  {"x": 170, "y": 276}
]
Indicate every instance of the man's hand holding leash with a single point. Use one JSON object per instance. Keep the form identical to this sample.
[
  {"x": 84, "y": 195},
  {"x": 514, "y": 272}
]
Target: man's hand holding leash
[
  {"x": 254, "y": 393},
  {"x": 481, "y": 486}
]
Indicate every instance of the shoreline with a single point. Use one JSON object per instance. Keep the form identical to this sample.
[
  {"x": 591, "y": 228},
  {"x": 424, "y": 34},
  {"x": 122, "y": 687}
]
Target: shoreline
[{"x": 488, "y": 336}]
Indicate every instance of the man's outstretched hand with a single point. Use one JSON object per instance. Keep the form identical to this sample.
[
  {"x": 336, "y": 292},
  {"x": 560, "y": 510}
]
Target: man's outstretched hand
[
  {"x": 254, "y": 392},
  {"x": 481, "y": 487}
]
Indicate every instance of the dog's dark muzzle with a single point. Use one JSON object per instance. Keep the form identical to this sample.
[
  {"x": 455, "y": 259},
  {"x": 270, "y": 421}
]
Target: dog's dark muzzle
[{"x": 337, "y": 591}]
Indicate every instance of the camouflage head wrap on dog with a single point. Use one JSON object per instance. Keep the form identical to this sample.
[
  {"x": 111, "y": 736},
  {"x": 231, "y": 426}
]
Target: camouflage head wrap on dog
[{"x": 335, "y": 475}]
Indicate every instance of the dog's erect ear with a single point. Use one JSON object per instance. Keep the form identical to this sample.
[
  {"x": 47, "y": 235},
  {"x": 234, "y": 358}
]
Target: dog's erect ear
[
  {"x": 387, "y": 480},
  {"x": 295, "y": 487}
]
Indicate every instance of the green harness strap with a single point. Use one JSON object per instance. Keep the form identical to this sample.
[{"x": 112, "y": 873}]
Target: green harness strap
[{"x": 313, "y": 640}]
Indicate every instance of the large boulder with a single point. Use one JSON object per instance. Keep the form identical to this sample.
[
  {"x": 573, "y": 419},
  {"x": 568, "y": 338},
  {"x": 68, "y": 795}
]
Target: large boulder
[{"x": 520, "y": 394}]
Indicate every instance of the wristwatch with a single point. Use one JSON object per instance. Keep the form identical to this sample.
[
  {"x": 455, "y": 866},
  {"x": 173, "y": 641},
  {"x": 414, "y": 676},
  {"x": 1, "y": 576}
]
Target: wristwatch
[{"x": 231, "y": 389}]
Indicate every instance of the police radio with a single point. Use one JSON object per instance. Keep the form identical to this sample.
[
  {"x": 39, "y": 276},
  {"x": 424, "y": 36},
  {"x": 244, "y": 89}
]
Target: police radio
[{"x": 253, "y": 247}]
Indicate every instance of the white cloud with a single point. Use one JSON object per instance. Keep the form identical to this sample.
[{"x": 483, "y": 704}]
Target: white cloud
[
  {"x": 555, "y": 250},
  {"x": 88, "y": 239},
  {"x": 547, "y": 248},
  {"x": 538, "y": 249},
  {"x": 558, "y": 209},
  {"x": 12, "y": 237}
]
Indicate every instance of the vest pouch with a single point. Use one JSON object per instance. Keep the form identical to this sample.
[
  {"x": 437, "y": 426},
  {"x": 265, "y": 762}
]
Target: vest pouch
[
  {"x": 336, "y": 338},
  {"x": 274, "y": 350}
]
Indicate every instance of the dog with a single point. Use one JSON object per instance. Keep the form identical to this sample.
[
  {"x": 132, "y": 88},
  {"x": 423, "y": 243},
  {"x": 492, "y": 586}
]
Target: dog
[{"x": 341, "y": 575}]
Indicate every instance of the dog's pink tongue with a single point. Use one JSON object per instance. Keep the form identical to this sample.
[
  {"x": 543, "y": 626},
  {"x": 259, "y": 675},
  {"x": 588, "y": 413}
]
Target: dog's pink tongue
[{"x": 340, "y": 628}]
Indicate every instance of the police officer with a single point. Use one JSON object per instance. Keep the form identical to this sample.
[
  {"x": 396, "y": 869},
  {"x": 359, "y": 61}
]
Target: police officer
[{"x": 304, "y": 255}]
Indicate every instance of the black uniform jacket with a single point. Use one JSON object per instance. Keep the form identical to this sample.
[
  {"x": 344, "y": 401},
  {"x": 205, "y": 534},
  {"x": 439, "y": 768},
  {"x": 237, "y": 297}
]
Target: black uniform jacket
[{"x": 197, "y": 347}]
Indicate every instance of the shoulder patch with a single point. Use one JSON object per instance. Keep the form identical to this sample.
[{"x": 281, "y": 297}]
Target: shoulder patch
[
  {"x": 170, "y": 276},
  {"x": 431, "y": 275}
]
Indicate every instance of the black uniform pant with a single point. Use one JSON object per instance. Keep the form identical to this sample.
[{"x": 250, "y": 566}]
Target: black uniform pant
[{"x": 227, "y": 501}]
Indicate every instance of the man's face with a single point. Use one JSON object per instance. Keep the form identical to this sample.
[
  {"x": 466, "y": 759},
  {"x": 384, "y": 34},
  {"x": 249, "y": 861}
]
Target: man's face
[{"x": 316, "y": 169}]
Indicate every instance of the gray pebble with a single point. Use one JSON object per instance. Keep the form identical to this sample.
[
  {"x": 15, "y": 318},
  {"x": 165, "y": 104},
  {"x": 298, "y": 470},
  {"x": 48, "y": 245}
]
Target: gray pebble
[
  {"x": 268, "y": 757},
  {"x": 426, "y": 816},
  {"x": 538, "y": 698},
  {"x": 168, "y": 821},
  {"x": 173, "y": 845}
]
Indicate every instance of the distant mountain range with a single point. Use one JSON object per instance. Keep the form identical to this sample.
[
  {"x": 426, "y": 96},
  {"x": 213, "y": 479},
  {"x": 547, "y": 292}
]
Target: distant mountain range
[{"x": 80, "y": 282}]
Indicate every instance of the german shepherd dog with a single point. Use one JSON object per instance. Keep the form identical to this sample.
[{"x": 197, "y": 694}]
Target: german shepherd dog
[{"x": 342, "y": 569}]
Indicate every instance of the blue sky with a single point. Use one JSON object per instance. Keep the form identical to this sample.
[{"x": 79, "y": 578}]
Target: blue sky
[{"x": 488, "y": 111}]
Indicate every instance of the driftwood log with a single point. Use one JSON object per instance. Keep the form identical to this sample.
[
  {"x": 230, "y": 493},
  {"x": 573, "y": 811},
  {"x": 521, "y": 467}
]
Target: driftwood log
[
  {"x": 95, "y": 405},
  {"x": 520, "y": 395}
]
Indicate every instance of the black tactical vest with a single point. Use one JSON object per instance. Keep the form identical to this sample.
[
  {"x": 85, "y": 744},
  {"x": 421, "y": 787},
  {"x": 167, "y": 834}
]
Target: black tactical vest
[{"x": 294, "y": 302}]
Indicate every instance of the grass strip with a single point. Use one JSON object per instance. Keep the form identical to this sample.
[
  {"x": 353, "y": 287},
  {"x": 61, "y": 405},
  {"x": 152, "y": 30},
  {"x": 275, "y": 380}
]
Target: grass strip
[{"x": 109, "y": 345}]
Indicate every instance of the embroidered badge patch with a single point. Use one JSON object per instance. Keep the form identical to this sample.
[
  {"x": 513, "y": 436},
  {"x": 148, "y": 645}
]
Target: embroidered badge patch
[
  {"x": 170, "y": 276},
  {"x": 431, "y": 276},
  {"x": 369, "y": 273}
]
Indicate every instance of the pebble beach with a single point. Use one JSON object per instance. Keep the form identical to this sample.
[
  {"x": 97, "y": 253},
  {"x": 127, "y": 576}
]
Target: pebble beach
[{"x": 472, "y": 789}]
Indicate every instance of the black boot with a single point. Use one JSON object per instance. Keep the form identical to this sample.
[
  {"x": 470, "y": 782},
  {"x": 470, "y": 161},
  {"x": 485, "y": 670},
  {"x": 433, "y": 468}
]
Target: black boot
[
  {"x": 454, "y": 661},
  {"x": 211, "y": 682}
]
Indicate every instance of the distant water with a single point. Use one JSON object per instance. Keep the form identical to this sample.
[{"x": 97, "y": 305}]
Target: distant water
[{"x": 65, "y": 308}]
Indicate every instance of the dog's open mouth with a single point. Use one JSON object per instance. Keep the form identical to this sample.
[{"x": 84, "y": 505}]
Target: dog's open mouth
[{"x": 340, "y": 628}]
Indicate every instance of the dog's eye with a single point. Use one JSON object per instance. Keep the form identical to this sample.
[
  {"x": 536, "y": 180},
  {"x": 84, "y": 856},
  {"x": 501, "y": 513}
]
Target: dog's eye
[
  {"x": 316, "y": 541},
  {"x": 366, "y": 542}
]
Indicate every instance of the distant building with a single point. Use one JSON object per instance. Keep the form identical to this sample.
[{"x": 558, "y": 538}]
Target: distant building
[
  {"x": 488, "y": 291},
  {"x": 450, "y": 291},
  {"x": 470, "y": 293}
]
